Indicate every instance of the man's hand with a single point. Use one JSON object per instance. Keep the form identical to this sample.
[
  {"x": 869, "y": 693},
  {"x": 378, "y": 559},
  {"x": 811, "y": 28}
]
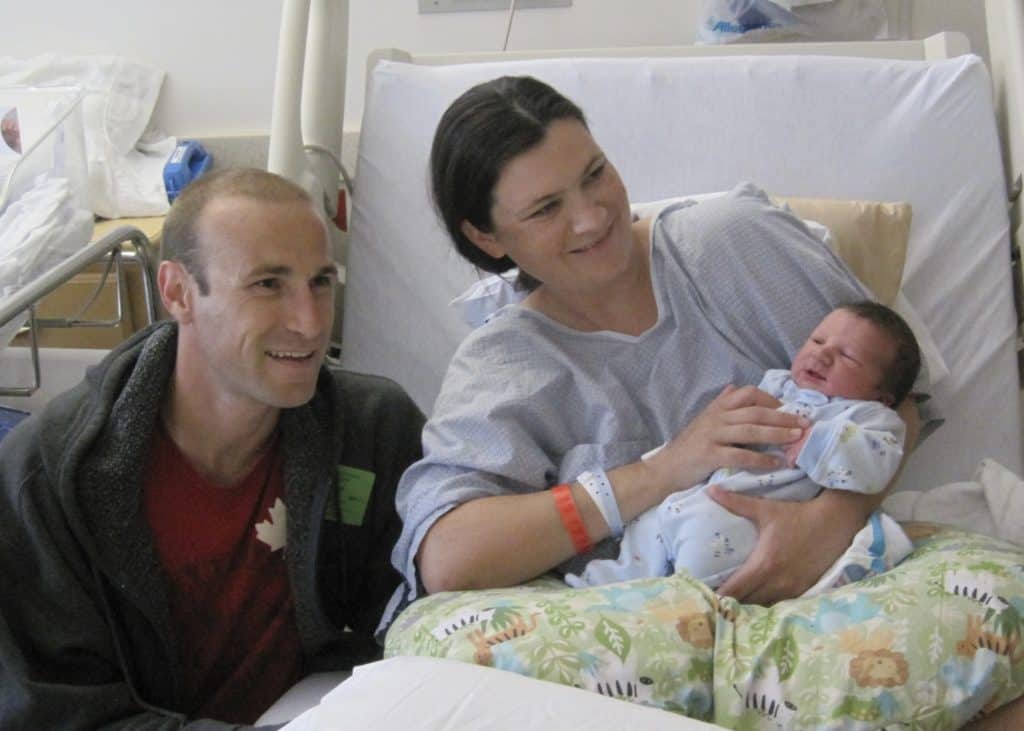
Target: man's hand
[{"x": 797, "y": 541}]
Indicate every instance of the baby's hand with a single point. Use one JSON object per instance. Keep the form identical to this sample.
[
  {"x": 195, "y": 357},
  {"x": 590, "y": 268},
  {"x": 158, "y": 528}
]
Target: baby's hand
[{"x": 792, "y": 450}]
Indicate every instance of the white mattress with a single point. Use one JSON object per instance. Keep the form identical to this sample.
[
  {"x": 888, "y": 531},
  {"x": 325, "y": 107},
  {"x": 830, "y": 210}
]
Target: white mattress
[
  {"x": 430, "y": 694},
  {"x": 802, "y": 126}
]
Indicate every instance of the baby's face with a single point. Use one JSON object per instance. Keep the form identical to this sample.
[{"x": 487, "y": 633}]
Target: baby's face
[{"x": 845, "y": 356}]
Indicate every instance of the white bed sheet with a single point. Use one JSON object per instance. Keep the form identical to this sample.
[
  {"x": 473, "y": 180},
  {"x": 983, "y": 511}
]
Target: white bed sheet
[
  {"x": 796, "y": 125},
  {"x": 991, "y": 502},
  {"x": 430, "y": 694}
]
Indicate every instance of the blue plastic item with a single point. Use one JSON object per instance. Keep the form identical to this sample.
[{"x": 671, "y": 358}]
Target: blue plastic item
[
  {"x": 188, "y": 161},
  {"x": 9, "y": 418}
]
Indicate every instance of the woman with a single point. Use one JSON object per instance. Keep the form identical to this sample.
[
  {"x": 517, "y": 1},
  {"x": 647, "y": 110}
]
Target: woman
[{"x": 632, "y": 336}]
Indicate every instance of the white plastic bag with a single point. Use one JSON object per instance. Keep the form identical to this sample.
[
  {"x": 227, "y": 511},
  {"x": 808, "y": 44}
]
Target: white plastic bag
[
  {"x": 125, "y": 178},
  {"x": 754, "y": 21}
]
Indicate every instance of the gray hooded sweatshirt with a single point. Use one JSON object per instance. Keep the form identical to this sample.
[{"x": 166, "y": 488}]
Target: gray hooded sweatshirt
[{"x": 85, "y": 628}]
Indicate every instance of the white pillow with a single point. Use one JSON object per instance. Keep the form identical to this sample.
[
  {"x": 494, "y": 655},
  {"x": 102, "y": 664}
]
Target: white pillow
[
  {"x": 990, "y": 503},
  {"x": 930, "y": 355}
]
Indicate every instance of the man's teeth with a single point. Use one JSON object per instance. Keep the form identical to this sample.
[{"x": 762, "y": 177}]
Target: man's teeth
[{"x": 290, "y": 355}]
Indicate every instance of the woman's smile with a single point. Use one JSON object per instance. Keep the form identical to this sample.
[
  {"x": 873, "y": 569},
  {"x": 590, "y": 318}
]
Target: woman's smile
[{"x": 596, "y": 243}]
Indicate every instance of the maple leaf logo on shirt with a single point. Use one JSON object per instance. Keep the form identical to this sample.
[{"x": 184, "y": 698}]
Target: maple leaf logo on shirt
[{"x": 274, "y": 532}]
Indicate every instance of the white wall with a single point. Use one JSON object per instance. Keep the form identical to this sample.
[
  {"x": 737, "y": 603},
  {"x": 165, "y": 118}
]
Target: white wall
[{"x": 219, "y": 55}]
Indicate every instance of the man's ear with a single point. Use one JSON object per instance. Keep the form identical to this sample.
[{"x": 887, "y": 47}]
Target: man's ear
[
  {"x": 176, "y": 290},
  {"x": 483, "y": 241}
]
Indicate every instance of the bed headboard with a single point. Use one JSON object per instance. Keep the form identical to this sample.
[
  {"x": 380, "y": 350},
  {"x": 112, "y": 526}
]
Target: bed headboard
[
  {"x": 822, "y": 125},
  {"x": 938, "y": 46}
]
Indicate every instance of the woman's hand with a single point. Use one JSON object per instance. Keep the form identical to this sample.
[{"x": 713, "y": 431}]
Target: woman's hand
[
  {"x": 793, "y": 449},
  {"x": 718, "y": 436},
  {"x": 796, "y": 543}
]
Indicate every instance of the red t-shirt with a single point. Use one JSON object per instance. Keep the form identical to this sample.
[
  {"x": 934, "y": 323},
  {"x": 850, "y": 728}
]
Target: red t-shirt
[{"x": 222, "y": 550}]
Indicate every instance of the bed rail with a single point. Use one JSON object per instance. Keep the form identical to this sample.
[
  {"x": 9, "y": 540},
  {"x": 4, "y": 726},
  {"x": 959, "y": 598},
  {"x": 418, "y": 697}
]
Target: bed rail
[
  {"x": 1005, "y": 20},
  {"x": 110, "y": 247}
]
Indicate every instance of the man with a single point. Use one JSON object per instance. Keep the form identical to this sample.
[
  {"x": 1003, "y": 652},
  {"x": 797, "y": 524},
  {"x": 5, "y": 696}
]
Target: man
[{"x": 191, "y": 529}]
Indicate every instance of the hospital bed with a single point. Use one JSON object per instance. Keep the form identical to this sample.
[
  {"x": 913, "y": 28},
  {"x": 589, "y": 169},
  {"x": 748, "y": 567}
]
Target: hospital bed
[
  {"x": 26, "y": 373},
  {"x": 779, "y": 121},
  {"x": 920, "y": 123}
]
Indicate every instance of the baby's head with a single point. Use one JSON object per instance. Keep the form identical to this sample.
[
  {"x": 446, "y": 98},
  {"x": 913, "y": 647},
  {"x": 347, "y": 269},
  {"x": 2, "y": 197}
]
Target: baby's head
[{"x": 861, "y": 351}]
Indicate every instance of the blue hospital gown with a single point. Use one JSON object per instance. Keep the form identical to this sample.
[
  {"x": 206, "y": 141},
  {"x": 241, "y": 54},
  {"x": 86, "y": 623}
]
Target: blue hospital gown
[
  {"x": 528, "y": 403},
  {"x": 853, "y": 445}
]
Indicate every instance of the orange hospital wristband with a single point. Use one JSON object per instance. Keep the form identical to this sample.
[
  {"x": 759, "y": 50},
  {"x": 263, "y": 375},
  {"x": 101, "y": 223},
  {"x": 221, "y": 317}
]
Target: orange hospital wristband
[{"x": 571, "y": 518}]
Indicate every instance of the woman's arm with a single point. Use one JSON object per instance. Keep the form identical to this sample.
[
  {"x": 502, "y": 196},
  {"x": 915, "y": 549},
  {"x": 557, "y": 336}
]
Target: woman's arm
[
  {"x": 797, "y": 542},
  {"x": 507, "y": 539}
]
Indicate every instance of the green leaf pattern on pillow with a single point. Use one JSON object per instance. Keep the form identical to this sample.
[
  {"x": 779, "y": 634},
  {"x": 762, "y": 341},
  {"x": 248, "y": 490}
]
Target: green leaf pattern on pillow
[{"x": 932, "y": 643}]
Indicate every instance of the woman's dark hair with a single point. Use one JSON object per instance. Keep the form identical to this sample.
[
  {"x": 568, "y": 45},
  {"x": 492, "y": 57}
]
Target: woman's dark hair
[
  {"x": 898, "y": 379},
  {"x": 479, "y": 133}
]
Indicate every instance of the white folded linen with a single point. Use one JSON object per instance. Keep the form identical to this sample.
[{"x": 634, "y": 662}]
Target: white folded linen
[
  {"x": 991, "y": 503},
  {"x": 37, "y": 231}
]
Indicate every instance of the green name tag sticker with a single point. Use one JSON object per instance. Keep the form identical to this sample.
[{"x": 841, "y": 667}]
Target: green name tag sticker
[{"x": 356, "y": 488}]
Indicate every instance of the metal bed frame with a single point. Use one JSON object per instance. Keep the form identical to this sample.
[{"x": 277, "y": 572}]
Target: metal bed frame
[{"x": 109, "y": 248}]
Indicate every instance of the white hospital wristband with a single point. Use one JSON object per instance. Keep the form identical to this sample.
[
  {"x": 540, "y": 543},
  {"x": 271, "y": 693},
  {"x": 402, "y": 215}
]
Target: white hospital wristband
[
  {"x": 646, "y": 456},
  {"x": 600, "y": 490}
]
